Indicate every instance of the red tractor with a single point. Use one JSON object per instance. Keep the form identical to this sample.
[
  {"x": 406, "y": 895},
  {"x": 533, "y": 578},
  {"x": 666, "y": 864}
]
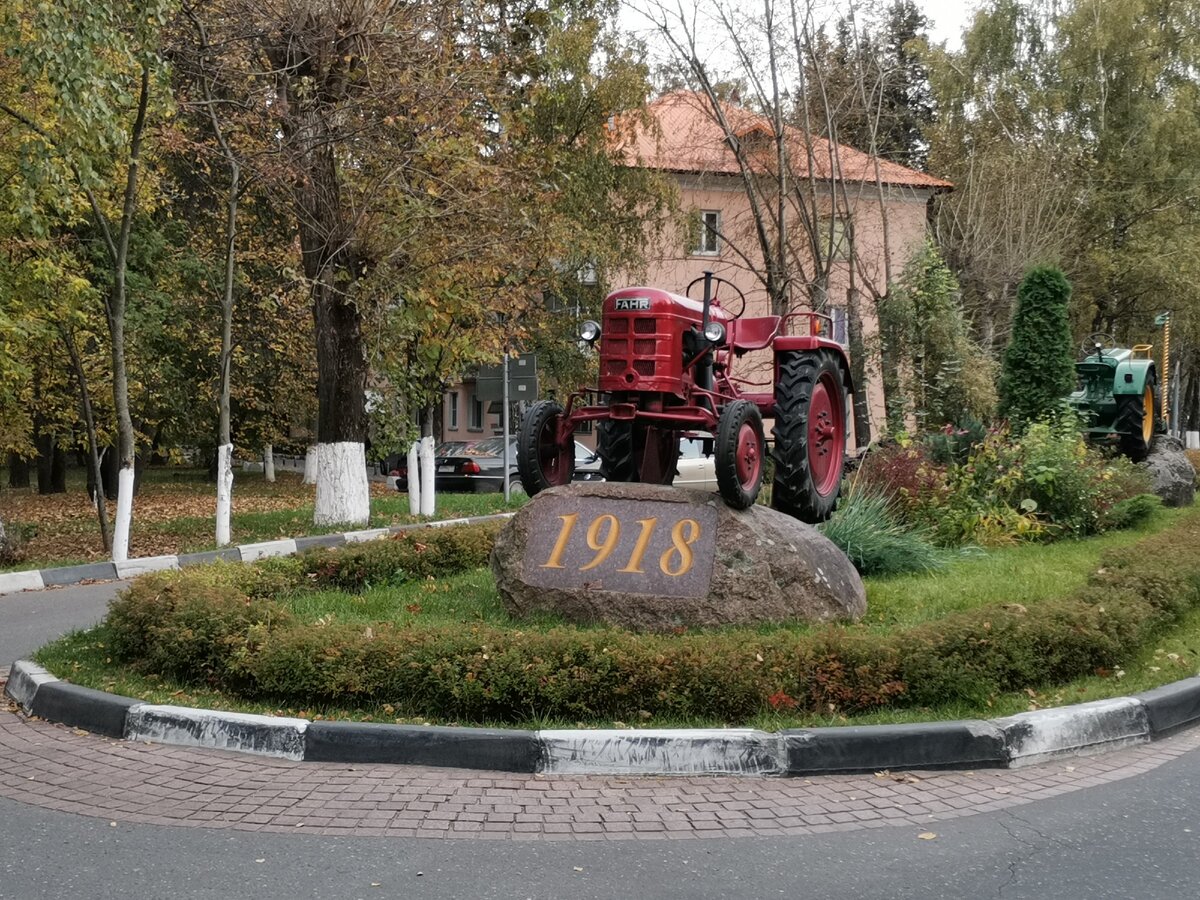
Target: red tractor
[{"x": 666, "y": 369}]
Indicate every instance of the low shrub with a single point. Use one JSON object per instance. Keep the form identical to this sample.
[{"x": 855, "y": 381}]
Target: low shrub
[
  {"x": 427, "y": 553},
  {"x": 906, "y": 474},
  {"x": 953, "y": 444},
  {"x": 867, "y": 530},
  {"x": 194, "y": 627}
]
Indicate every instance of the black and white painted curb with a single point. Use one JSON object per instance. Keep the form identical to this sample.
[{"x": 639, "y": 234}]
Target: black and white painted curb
[
  {"x": 1010, "y": 742},
  {"x": 12, "y": 582}
]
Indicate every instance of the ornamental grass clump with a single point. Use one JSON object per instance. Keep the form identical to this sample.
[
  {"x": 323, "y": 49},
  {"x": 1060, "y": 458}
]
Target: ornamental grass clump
[{"x": 870, "y": 533}]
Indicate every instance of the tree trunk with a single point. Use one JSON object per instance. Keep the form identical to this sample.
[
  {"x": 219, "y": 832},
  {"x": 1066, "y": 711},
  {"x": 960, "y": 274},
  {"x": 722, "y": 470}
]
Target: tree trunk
[
  {"x": 6, "y": 546},
  {"x": 89, "y": 421},
  {"x": 414, "y": 479},
  {"x": 858, "y": 370},
  {"x": 310, "y": 464},
  {"x": 224, "y": 435},
  {"x": 119, "y": 255},
  {"x": 269, "y": 463},
  {"x": 18, "y": 471},
  {"x": 428, "y": 464}
]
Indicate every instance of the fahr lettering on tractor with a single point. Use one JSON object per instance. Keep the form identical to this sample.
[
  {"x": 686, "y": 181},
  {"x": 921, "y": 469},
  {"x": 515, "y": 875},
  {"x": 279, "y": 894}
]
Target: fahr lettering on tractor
[{"x": 668, "y": 368}]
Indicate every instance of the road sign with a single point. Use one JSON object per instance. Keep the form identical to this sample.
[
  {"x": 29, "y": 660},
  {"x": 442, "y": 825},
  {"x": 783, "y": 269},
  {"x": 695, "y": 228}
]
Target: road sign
[{"x": 522, "y": 380}]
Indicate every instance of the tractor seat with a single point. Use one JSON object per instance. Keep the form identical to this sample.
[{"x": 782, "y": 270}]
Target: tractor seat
[{"x": 754, "y": 334}]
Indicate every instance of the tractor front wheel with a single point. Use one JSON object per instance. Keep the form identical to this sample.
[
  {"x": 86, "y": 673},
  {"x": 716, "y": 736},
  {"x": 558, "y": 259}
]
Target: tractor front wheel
[
  {"x": 739, "y": 453},
  {"x": 810, "y": 435},
  {"x": 541, "y": 461},
  {"x": 1135, "y": 422}
]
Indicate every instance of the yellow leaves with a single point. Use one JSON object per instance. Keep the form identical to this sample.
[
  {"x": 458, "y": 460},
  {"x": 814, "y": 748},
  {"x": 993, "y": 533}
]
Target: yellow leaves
[{"x": 927, "y": 835}]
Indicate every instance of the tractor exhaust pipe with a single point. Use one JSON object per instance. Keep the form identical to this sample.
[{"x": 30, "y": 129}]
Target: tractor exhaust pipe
[{"x": 704, "y": 368}]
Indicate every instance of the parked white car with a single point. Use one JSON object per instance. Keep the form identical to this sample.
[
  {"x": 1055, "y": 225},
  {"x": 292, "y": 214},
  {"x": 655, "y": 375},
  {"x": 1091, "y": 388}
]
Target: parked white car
[{"x": 697, "y": 471}]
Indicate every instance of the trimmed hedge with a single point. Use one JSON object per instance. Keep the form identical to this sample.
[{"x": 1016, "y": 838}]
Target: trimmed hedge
[{"x": 214, "y": 630}]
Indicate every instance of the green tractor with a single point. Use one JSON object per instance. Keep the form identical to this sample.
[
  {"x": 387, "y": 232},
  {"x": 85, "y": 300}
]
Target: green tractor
[{"x": 1118, "y": 395}]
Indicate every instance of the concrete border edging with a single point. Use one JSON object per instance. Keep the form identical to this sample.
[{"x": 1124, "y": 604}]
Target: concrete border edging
[
  {"x": 24, "y": 680},
  {"x": 1010, "y": 742},
  {"x": 279, "y": 737},
  {"x": 11, "y": 582},
  {"x": 63, "y": 576},
  {"x": 661, "y": 751},
  {"x": 1081, "y": 729},
  {"x": 968, "y": 744}
]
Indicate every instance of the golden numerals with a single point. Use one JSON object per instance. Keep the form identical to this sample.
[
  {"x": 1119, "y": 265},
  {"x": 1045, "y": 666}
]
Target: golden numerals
[{"x": 604, "y": 533}]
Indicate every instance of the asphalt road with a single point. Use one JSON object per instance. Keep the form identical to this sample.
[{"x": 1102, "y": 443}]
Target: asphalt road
[
  {"x": 1132, "y": 838},
  {"x": 33, "y": 618}
]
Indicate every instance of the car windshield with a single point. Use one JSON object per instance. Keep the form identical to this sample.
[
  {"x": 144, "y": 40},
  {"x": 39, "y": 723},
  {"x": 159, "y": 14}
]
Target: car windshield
[
  {"x": 692, "y": 448},
  {"x": 491, "y": 447}
]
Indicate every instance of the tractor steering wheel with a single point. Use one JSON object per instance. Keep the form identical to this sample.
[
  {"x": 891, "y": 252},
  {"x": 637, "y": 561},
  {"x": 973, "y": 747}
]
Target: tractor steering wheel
[
  {"x": 716, "y": 279},
  {"x": 1103, "y": 338}
]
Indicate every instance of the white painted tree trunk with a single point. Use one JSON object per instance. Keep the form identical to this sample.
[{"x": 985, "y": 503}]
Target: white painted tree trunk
[
  {"x": 224, "y": 492},
  {"x": 120, "y": 549},
  {"x": 269, "y": 463},
  {"x": 1193, "y": 440},
  {"x": 414, "y": 479},
  {"x": 343, "y": 494},
  {"x": 310, "y": 465},
  {"x": 428, "y": 501}
]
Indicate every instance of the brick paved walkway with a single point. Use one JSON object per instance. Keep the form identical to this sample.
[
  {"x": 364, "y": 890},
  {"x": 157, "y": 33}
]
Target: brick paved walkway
[{"x": 54, "y": 767}]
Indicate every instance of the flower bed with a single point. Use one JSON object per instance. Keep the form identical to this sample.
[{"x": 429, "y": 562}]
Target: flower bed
[{"x": 226, "y": 628}]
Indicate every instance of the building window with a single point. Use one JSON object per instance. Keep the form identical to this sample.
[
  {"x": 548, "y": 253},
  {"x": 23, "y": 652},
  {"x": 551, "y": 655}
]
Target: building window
[
  {"x": 475, "y": 414},
  {"x": 710, "y": 231},
  {"x": 837, "y": 228},
  {"x": 452, "y": 410}
]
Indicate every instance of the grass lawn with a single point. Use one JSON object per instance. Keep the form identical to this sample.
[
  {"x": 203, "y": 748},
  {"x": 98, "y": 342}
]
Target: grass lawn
[
  {"x": 1025, "y": 574},
  {"x": 175, "y": 508}
]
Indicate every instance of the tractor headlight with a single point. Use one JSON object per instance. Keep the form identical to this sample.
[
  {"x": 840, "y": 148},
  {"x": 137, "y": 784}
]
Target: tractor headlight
[
  {"x": 589, "y": 331},
  {"x": 714, "y": 333}
]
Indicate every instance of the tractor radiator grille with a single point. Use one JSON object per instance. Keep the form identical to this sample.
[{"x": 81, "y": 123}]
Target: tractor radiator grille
[
  {"x": 614, "y": 366},
  {"x": 643, "y": 366},
  {"x": 618, "y": 326},
  {"x": 645, "y": 326},
  {"x": 645, "y": 346}
]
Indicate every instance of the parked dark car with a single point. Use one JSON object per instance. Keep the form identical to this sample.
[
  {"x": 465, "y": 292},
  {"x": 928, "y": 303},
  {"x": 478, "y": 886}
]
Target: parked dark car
[{"x": 477, "y": 467}]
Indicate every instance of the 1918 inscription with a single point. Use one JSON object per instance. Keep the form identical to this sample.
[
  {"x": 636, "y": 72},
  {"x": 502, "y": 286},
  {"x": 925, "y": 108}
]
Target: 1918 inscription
[{"x": 632, "y": 546}]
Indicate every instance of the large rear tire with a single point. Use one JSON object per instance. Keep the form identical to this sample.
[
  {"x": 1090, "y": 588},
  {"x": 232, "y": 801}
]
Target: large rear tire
[
  {"x": 739, "y": 454},
  {"x": 1136, "y": 422},
  {"x": 636, "y": 453},
  {"x": 810, "y": 435},
  {"x": 541, "y": 462}
]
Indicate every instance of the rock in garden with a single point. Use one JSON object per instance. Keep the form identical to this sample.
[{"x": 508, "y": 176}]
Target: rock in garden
[
  {"x": 658, "y": 558},
  {"x": 1173, "y": 473}
]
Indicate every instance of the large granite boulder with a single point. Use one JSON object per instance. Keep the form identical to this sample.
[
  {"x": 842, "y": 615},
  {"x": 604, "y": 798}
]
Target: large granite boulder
[
  {"x": 1173, "y": 473},
  {"x": 659, "y": 558}
]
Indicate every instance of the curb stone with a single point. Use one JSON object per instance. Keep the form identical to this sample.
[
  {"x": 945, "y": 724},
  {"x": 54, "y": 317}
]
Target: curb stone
[
  {"x": 1011, "y": 742},
  {"x": 63, "y": 576}
]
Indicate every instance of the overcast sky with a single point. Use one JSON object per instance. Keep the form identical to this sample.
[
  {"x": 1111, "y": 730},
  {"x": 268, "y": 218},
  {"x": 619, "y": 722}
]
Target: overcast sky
[{"x": 947, "y": 19}]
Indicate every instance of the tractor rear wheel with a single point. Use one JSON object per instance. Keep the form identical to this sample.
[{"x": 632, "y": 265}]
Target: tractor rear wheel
[
  {"x": 630, "y": 452},
  {"x": 541, "y": 461},
  {"x": 739, "y": 453},
  {"x": 810, "y": 435},
  {"x": 1135, "y": 422}
]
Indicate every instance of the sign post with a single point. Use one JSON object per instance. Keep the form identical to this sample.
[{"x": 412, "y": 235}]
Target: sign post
[
  {"x": 504, "y": 421},
  {"x": 1164, "y": 319}
]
